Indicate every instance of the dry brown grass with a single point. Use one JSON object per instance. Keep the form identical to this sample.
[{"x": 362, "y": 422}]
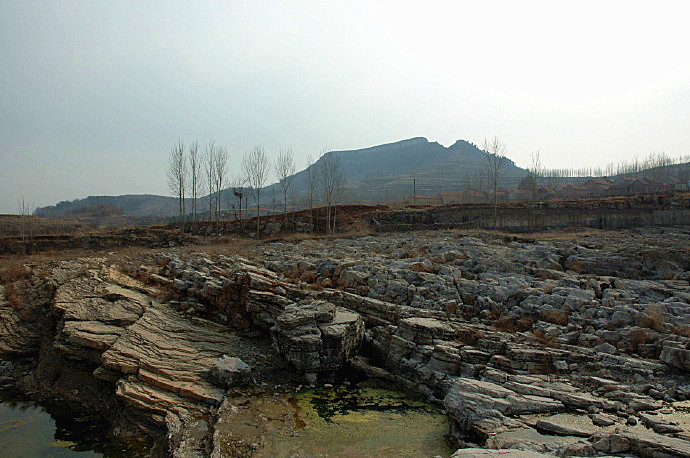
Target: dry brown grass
[
  {"x": 562, "y": 234},
  {"x": 470, "y": 336},
  {"x": 12, "y": 295},
  {"x": 510, "y": 324},
  {"x": 421, "y": 267},
  {"x": 13, "y": 272},
  {"x": 653, "y": 318},
  {"x": 548, "y": 288},
  {"x": 544, "y": 339},
  {"x": 682, "y": 330},
  {"x": 556, "y": 317},
  {"x": 638, "y": 337}
]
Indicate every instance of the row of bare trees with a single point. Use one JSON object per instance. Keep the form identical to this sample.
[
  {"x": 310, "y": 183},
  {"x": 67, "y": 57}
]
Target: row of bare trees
[
  {"x": 653, "y": 165},
  {"x": 197, "y": 172},
  {"x": 190, "y": 170}
]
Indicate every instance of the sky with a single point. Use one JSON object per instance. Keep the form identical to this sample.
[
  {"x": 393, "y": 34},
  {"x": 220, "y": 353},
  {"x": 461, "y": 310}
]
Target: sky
[{"x": 93, "y": 94}]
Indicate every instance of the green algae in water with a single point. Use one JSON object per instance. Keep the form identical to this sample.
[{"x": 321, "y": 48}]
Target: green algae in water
[
  {"x": 58, "y": 429},
  {"x": 342, "y": 400},
  {"x": 362, "y": 422}
]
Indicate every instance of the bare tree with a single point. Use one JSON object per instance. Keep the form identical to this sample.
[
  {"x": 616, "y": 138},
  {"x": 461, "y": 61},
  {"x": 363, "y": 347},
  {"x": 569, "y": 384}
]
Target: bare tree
[
  {"x": 331, "y": 177},
  {"x": 196, "y": 177},
  {"x": 26, "y": 224},
  {"x": 177, "y": 176},
  {"x": 221, "y": 174},
  {"x": 237, "y": 183},
  {"x": 536, "y": 171},
  {"x": 285, "y": 170},
  {"x": 209, "y": 161},
  {"x": 312, "y": 182},
  {"x": 494, "y": 167},
  {"x": 256, "y": 168}
]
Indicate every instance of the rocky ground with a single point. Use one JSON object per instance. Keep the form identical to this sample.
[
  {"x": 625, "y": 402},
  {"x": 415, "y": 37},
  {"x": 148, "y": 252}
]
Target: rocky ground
[{"x": 556, "y": 344}]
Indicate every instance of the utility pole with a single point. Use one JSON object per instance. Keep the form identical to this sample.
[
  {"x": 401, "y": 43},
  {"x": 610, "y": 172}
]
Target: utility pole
[{"x": 414, "y": 191}]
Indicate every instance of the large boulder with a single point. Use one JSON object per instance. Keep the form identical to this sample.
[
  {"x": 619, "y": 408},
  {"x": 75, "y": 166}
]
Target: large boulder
[
  {"x": 229, "y": 371},
  {"x": 316, "y": 336}
]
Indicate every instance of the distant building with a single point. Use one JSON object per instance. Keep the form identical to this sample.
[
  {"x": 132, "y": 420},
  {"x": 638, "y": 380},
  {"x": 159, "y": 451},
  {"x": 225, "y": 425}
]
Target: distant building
[
  {"x": 544, "y": 193},
  {"x": 598, "y": 186},
  {"x": 573, "y": 190}
]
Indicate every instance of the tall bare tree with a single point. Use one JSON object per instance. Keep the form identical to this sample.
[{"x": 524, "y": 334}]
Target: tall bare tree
[
  {"x": 26, "y": 224},
  {"x": 177, "y": 177},
  {"x": 332, "y": 179},
  {"x": 237, "y": 183},
  {"x": 196, "y": 177},
  {"x": 221, "y": 175},
  {"x": 312, "y": 183},
  {"x": 285, "y": 170},
  {"x": 256, "y": 168},
  {"x": 494, "y": 166},
  {"x": 536, "y": 171},
  {"x": 209, "y": 161}
]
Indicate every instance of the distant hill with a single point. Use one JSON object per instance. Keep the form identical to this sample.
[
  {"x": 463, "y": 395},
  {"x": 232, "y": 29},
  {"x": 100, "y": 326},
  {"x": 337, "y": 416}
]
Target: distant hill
[
  {"x": 131, "y": 204},
  {"x": 384, "y": 172}
]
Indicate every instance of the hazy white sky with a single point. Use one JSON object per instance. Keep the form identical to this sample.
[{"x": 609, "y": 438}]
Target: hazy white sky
[{"x": 93, "y": 94}]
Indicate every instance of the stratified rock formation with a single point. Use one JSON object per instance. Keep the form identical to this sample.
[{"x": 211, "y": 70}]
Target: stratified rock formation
[
  {"x": 315, "y": 336},
  {"x": 580, "y": 338}
]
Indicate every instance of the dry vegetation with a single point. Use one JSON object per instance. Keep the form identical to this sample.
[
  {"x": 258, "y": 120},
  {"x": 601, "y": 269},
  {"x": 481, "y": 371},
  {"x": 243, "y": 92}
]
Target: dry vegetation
[{"x": 544, "y": 339}]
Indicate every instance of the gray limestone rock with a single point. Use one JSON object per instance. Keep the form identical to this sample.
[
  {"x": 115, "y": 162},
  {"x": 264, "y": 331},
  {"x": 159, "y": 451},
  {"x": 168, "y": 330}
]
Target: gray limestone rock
[
  {"x": 229, "y": 371},
  {"x": 315, "y": 336}
]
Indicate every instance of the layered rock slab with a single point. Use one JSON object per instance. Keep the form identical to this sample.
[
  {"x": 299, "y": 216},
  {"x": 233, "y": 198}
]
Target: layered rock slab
[{"x": 172, "y": 353}]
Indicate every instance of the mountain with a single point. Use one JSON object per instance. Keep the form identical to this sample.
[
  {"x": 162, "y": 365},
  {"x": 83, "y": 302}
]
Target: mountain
[
  {"x": 390, "y": 172},
  {"x": 384, "y": 172}
]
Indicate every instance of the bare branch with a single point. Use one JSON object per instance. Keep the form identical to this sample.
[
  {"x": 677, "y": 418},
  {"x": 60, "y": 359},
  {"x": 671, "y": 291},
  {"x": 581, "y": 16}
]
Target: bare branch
[
  {"x": 285, "y": 170},
  {"x": 256, "y": 168}
]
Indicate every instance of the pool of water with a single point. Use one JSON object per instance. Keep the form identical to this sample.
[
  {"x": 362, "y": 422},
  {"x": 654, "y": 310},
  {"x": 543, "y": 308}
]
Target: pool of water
[
  {"x": 57, "y": 429},
  {"x": 340, "y": 421}
]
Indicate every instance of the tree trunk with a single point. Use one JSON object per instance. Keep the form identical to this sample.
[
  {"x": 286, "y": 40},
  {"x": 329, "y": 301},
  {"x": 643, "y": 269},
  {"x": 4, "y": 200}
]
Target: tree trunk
[
  {"x": 495, "y": 204},
  {"x": 258, "y": 218}
]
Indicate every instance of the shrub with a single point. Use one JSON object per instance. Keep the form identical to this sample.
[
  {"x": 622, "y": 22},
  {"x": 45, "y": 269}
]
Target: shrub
[
  {"x": 638, "y": 337},
  {"x": 12, "y": 294},
  {"x": 682, "y": 330},
  {"x": 13, "y": 273},
  {"x": 514, "y": 324},
  {"x": 654, "y": 319}
]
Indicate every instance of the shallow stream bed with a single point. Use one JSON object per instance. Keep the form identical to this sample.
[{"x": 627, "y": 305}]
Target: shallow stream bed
[
  {"x": 341, "y": 421},
  {"x": 57, "y": 429}
]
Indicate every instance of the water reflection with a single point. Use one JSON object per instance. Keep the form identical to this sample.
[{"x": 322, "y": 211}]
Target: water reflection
[{"x": 58, "y": 429}]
